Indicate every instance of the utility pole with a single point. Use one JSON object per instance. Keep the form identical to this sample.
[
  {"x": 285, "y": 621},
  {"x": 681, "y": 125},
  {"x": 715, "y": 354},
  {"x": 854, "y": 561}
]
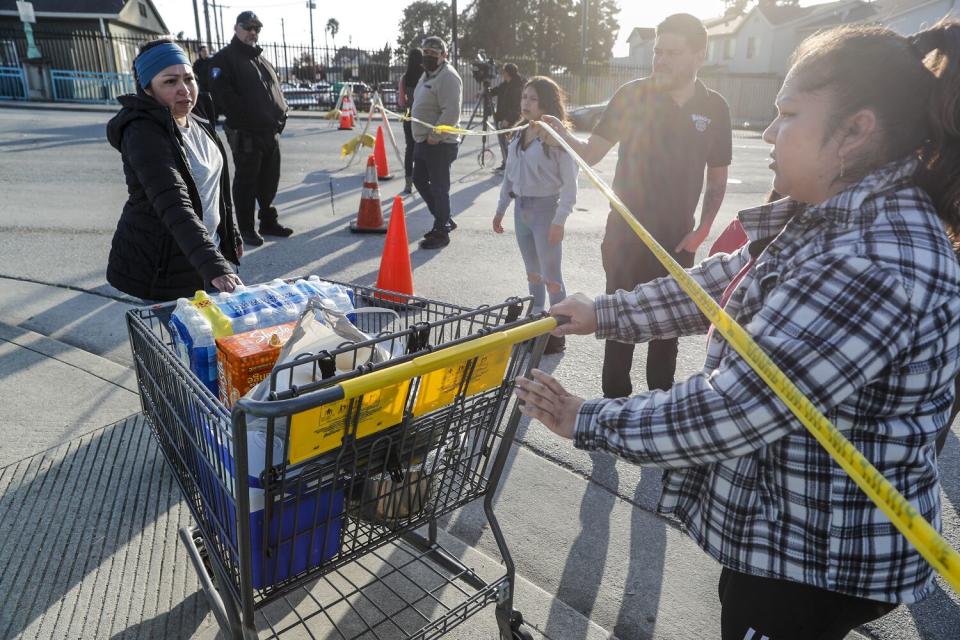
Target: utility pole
[
  {"x": 216, "y": 21},
  {"x": 311, "y": 5},
  {"x": 206, "y": 19},
  {"x": 585, "y": 4},
  {"x": 196, "y": 19},
  {"x": 283, "y": 36},
  {"x": 453, "y": 22}
]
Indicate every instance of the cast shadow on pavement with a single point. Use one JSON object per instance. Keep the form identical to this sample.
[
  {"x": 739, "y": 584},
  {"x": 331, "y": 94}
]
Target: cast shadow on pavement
[
  {"x": 55, "y": 137},
  {"x": 77, "y": 522}
]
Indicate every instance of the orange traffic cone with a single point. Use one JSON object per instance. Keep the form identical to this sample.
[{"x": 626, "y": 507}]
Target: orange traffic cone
[
  {"x": 380, "y": 155},
  {"x": 346, "y": 121},
  {"x": 370, "y": 217},
  {"x": 396, "y": 274}
]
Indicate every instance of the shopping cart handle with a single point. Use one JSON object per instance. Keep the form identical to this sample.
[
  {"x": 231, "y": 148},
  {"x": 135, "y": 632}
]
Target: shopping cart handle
[{"x": 420, "y": 365}]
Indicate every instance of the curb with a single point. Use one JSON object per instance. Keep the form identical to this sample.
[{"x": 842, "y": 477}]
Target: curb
[{"x": 85, "y": 361}]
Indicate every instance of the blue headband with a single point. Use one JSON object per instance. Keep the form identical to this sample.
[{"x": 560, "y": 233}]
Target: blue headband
[{"x": 155, "y": 59}]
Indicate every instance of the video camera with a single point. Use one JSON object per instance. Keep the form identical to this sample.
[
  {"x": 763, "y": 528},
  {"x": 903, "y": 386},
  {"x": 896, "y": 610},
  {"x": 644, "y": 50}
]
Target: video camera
[{"x": 484, "y": 68}]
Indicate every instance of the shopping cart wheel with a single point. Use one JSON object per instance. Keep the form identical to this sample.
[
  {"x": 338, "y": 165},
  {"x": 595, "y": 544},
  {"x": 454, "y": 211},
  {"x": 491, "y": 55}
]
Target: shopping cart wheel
[{"x": 516, "y": 626}]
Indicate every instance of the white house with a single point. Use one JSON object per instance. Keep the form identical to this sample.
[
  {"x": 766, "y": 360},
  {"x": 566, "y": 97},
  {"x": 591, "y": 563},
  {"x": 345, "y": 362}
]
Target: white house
[
  {"x": 762, "y": 40},
  {"x": 909, "y": 16}
]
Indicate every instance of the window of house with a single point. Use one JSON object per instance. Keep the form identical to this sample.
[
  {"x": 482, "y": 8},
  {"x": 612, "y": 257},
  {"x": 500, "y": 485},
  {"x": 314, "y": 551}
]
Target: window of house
[
  {"x": 143, "y": 9},
  {"x": 712, "y": 51},
  {"x": 751, "y": 47},
  {"x": 729, "y": 46}
]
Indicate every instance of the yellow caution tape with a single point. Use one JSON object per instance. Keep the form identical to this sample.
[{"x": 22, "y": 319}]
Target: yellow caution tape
[
  {"x": 931, "y": 545},
  {"x": 445, "y": 128},
  {"x": 351, "y": 145}
]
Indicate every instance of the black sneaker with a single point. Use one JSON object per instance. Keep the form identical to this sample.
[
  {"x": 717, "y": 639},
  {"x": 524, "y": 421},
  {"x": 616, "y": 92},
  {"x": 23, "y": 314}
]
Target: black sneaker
[
  {"x": 435, "y": 241},
  {"x": 451, "y": 225},
  {"x": 251, "y": 238},
  {"x": 275, "y": 229}
]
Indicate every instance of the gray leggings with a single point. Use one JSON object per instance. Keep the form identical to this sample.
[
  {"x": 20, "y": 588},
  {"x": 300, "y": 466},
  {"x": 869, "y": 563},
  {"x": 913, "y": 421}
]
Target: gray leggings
[{"x": 532, "y": 219}]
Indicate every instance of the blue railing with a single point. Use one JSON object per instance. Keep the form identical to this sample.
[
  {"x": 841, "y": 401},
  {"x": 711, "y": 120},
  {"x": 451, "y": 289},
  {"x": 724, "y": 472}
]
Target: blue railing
[
  {"x": 13, "y": 84},
  {"x": 88, "y": 86}
]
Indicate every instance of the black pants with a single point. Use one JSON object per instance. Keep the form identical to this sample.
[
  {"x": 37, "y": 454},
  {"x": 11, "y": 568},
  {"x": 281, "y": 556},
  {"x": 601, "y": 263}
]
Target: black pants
[
  {"x": 627, "y": 263},
  {"x": 431, "y": 175},
  {"x": 408, "y": 149},
  {"x": 757, "y": 608},
  {"x": 504, "y": 139},
  {"x": 256, "y": 159}
]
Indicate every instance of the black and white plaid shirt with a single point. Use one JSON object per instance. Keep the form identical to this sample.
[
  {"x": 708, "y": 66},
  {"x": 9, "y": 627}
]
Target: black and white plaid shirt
[{"x": 858, "y": 301}]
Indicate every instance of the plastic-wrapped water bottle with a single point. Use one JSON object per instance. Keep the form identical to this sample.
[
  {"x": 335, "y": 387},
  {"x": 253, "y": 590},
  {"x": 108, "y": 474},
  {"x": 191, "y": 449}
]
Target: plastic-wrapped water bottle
[
  {"x": 200, "y": 346},
  {"x": 342, "y": 297}
]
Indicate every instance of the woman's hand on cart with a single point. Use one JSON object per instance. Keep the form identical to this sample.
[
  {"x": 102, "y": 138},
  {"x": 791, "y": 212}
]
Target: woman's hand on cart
[
  {"x": 547, "y": 401},
  {"x": 227, "y": 283},
  {"x": 581, "y": 314}
]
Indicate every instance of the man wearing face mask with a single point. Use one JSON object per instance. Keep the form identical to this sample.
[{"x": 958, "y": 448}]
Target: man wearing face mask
[
  {"x": 436, "y": 100},
  {"x": 247, "y": 91}
]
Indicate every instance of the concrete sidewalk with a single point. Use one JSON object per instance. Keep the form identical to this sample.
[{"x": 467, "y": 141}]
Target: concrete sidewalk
[{"x": 89, "y": 513}]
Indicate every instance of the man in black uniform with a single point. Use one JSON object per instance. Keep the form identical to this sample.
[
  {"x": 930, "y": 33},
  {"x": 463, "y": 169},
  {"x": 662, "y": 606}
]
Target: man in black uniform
[
  {"x": 669, "y": 127},
  {"x": 247, "y": 91},
  {"x": 201, "y": 69}
]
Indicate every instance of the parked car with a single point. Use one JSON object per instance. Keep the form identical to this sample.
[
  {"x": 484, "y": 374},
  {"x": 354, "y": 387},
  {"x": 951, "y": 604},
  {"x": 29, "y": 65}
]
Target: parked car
[
  {"x": 388, "y": 93},
  {"x": 299, "y": 97},
  {"x": 361, "y": 93},
  {"x": 585, "y": 118},
  {"x": 326, "y": 97}
]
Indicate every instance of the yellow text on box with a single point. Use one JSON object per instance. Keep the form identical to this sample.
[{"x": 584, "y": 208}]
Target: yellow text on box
[
  {"x": 439, "y": 388},
  {"x": 322, "y": 428}
]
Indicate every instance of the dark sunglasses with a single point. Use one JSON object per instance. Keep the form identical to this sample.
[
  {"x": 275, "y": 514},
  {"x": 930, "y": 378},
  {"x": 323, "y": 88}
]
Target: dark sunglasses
[{"x": 251, "y": 27}]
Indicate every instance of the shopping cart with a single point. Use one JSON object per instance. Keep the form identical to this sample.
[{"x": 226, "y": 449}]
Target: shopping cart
[{"x": 311, "y": 505}]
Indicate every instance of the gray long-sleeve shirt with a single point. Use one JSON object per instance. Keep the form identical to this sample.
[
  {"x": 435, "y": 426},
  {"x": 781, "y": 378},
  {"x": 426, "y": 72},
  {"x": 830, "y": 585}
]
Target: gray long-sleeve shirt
[
  {"x": 437, "y": 100},
  {"x": 536, "y": 171}
]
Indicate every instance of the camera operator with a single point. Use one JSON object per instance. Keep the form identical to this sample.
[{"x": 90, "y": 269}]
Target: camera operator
[{"x": 507, "y": 113}]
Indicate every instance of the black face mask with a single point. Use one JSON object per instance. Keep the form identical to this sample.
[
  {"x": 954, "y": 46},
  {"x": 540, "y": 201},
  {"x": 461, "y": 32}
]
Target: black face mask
[{"x": 430, "y": 63}]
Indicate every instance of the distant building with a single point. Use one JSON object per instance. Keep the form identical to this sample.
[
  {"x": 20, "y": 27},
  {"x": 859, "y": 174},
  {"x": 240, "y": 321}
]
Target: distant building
[
  {"x": 761, "y": 40},
  {"x": 90, "y": 35}
]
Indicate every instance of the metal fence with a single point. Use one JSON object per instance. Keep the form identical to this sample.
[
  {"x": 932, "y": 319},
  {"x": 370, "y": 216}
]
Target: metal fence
[
  {"x": 13, "y": 84},
  {"x": 91, "y": 66},
  {"x": 90, "y": 86}
]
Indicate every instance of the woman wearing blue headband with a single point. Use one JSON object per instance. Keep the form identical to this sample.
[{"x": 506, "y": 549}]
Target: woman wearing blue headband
[{"x": 177, "y": 232}]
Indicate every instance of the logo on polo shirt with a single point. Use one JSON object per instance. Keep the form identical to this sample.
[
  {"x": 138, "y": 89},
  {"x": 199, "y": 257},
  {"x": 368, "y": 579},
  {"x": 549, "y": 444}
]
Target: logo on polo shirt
[
  {"x": 700, "y": 122},
  {"x": 215, "y": 73}
]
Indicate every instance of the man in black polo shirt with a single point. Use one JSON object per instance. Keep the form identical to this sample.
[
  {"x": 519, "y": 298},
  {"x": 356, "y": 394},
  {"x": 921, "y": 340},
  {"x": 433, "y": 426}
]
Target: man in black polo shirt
[{"x": 669, "y": 127}]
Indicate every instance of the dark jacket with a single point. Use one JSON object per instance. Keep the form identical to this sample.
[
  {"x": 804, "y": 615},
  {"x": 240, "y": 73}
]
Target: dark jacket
[
  {"x": 201, "y": 71},
  {"x": 508, "y": 100},
  {"x": 246, "y": 89},
  {"x": 161, "y": 250}
]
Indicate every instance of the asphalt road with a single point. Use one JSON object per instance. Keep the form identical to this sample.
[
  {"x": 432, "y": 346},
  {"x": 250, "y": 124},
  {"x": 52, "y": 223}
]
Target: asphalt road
[{"x": 63, "y": 190}]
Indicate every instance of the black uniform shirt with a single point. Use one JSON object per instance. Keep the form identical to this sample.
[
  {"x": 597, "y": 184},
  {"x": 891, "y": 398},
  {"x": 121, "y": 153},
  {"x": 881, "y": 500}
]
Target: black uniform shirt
[{"x": 663, "y": 150}]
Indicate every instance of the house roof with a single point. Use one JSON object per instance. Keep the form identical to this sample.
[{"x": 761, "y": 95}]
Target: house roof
[
  {"x": 642, "y": 33},
  {"x": 109, "y": 9},
  {"x": 725, "y": 25},
  {"x": 815, "y": 16},
  {"x": 105, "y": 7},
  {"x": 892, "y": 8}
]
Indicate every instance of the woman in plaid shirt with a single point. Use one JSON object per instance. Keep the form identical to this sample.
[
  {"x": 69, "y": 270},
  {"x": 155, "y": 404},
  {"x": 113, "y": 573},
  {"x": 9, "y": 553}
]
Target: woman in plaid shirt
[{"x": 851, "y": 285}]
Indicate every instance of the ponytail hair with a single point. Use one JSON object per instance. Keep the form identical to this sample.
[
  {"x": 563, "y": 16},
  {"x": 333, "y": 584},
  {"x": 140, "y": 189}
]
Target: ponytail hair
[
  {"x": 912, "y": 84},
  {"x": 939, "y": 172}
]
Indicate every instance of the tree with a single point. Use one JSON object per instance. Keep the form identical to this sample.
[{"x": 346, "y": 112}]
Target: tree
[
  {"x": 333, "y": 28},
  {"x": 423, "y": 18},
  {"x": 305, "y": 67}
]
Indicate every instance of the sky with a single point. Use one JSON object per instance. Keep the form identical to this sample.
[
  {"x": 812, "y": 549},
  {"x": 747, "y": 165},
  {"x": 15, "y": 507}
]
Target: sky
[{"x": 378, "y": 21}]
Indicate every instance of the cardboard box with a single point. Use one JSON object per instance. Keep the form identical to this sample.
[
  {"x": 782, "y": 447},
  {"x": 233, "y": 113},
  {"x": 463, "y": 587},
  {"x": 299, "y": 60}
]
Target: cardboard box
[{"x": 243, "y": 360}]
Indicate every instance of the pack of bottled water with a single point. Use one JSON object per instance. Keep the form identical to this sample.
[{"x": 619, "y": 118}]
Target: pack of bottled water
[{"x": 196, "y": 323}]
